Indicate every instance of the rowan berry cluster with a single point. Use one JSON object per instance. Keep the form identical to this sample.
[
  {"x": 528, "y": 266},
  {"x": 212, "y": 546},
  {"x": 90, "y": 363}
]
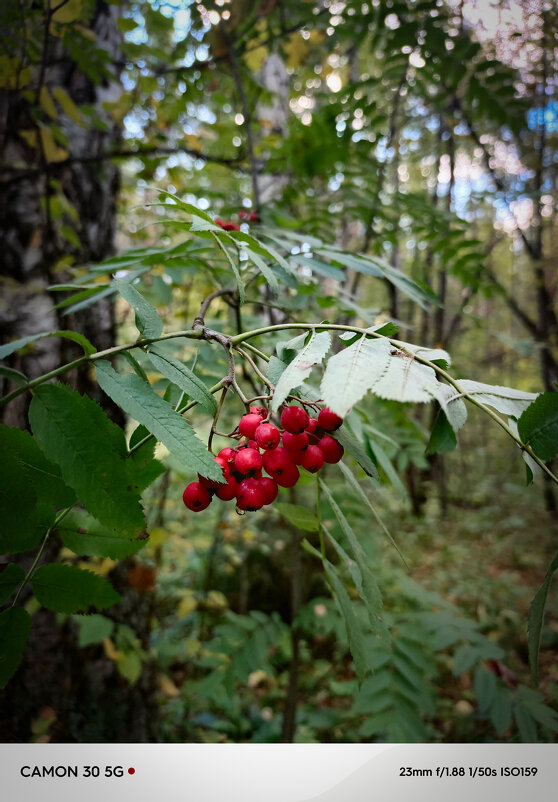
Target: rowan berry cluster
[{"x": 300, "y": 441}]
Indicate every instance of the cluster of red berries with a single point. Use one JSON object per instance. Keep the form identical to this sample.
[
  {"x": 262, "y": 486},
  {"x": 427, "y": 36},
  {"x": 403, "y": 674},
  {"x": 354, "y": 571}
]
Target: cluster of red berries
[
  {"x": 303, "y": 441},
  {"x": 228, "y": 225}
]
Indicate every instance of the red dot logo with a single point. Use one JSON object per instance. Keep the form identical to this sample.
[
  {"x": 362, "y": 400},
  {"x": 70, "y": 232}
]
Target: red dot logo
[{"x": 131, "y": 771}]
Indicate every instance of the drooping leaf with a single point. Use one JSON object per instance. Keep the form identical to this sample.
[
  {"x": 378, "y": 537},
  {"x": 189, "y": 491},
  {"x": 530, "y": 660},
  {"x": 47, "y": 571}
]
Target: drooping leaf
[
  {"x": 356, "y": 450},
  {"x": 298, "y": 516},
  {"x": 538, "y": 426},
  {"x": 15, "y": 345},
  {"x": 144, "y": 405},
  {"x": 148, "y": 322},
  {"x": 15, "y": 627},
  {"x": 234, "y": 267},
  {"x": 67, "y": 589},
  {"x": 14, "y": 376},
  {"x": 90, "y": 450},
  {"x": 536, "y": 618},
  {"x": 442, "y": 436},
  {"x": 93, "y": 629},
  {"x": 84, "y": 535},
  {"x": 10, "y": 578},
  {"x": 299, "y": 369},
  {"x": 355, "y": 632},
  {"x": 367, "y": 586},
  {"x": 184, "y": 378}
]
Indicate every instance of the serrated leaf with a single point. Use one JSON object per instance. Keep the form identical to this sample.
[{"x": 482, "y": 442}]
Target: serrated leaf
[
  {"x": 538, "y": 426},
  {"x": 93, "y": 629},
  {"x": 464, "y": 659},
  {"x": 301, "y": 366},
  {"x": 184, "y": 378},
  {"x": 67, "y": 589},
  {"x": 15, "y": 345},
  {"x": 15, "y": 627},
  {"x": 525, "y": 724},
  {"x": 141, "y": 403},
  {"x": 21, "y": 518},
  {"x": 298, "y": 516},
  {"x": 355, "y": 633},
  {"x": 90, "y": 450},
  {"x": 264, "y": 269},
  {"x": 275, "y": 368},
  {"x": 536, "y": 618},
  {"x": 234, "y": 268},
  {"x": 504, "y": 399},
  {"x": 12, "y": 576},
  {"x": 189, "y": 208},
  {"x": 148, "y": 322},
  {"x": 84, "y": 535},
  {"x": 356, "y": 450},
  {"x": 501, "y": 711}
]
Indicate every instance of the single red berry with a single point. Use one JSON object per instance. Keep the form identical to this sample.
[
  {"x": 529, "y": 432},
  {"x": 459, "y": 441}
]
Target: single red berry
[
  {"x": 248, "y": 424},
  {"x": 211, "y": 483},
  {"x": 328, "y": 420},
  {"x": 313, "y": 459},
  {"x": 294, "y": 420},
  {"x": 228, "y": 491},
  {"x": 196, "y": 497},
  {"x": 227, "y": 454},
  {"x": 227, "y": 225},
  {"x": 270, "y": 489},
  {"x": 332, "y": 450},
  {"x": 253, "y": 444},
  {"x": 276, "y": 461},
  {"x": 295, "y": 442},
  {"x": 248, "y": 461},
  {"x": 262, "y": 411},
  {"x": 312, "y": 425},
  {"x": 289, "y": 477},
  {"x": 267, "y": 436},
  {"x": 251, "y": 495},
  {"x": 253, "y": 217},
  {"x": 243, "y": 214}
]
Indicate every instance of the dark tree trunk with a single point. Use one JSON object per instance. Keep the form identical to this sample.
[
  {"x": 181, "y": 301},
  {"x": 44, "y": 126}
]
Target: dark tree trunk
[{"x": 90, "y": 700}]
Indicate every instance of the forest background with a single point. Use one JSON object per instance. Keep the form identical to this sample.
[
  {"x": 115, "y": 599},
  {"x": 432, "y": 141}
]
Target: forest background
[{"x": 397, "y": 160}]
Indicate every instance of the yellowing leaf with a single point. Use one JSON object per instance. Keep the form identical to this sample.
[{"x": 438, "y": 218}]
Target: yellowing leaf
[
  {"x": 186, "y": 606},
  {"x": 68, "y": 105},
  {"x": 47, "y": 103},
  {"x": 167, "y": 686},
  {"x": 12, "y": 75},
  {"x": 52, "y": 151},
  {"x": 254, "y": 59},
  {"x": 296, "y": 50},
  {"x": 69, "y": 12},
  {"x": 111, "y": 651},
  {"x": 30, "y": 136}
]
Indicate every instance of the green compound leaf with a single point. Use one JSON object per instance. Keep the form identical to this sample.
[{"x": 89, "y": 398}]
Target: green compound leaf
[
  {"x": 84, "y": 535},
  {"x": 90, "y": 451},
  {"x": 144, "y": 405},
  {"x": 148, "y": 322},
  {"x": 298, "y": 516},
  {"x": 183, "y": 377},
  {"x": 67, "y": 589},
  {"x": 15, "y": 345},
  {"x": 10, "y": 578},
  {"x": 538, "y": 426},
  {"x": 15, "y": 626}
]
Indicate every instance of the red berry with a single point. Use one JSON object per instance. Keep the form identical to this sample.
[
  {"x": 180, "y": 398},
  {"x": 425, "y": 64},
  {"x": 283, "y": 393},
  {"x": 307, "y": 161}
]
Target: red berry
[
  {"x": 270, "y": 489},
  {"x": 253, "y": 217},
  {"x": 227, "y": 225},
  {"x": 262, "y": 411},
  {"x": 251, "y": 495},
  {"x": 313, "y": 459},
  {"x": 253, "y": 444},
  {"x": 196, "y": 497},
  {"x": 312, "y": 425},
  {"x": 295, "y": 442},
  {"x": 296, "y": 456},
  {"x": 332, "y": 450},
  {"x": 243, "y": 214},
  {"x": 248, "y": 461},
  {"x": 248, "y": 424},
  {"x": 294, "y": 420},
  {"x": 211, "y": 483},
  {"x": 267, "y": 436},
  {"x": 228, "y": 491},
  {"x": 227, "y": 454},
  {"x": 328, "y": 420},
  {"x": 276, "y": 461},
  {"x": 288, "y": 477}
]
